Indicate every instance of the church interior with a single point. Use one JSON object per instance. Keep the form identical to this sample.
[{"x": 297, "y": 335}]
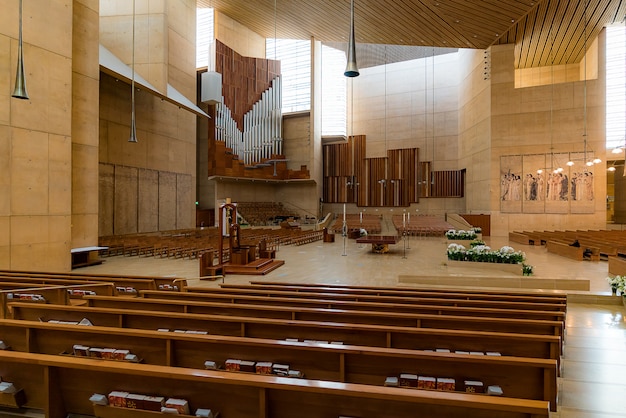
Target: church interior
[{"x": 237, "y": 209}]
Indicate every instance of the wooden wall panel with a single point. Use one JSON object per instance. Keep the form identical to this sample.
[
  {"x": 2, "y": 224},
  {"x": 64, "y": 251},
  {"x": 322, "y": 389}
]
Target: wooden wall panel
[
  {"x": 183, "y": 197},
  {"x": 355, "y": 179},
  {"x": 148, "y": 201},
  {"x": 125, "y": 200},
  {"x": 244, "y": 79},
  {"x": 106, "y": 199},
  {"x": 448, "y": 183},
  {"x": 167, "y": 201},
  {"x": 479, "y": 220}
]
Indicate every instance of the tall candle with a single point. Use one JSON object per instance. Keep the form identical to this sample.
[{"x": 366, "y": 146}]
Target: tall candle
[
  {"x": 344, "y": 211},
  {"x": 361, "y": 217},
  {"x": 404, "y": 220}
]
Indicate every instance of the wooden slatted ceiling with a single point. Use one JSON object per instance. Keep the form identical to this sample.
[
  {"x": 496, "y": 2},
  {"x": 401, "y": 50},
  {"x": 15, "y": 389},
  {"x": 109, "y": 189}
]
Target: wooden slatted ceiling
[
  {"x": 443, "y": 23},
  {"x": 557, "y": 31},
  {"x": 544, "y": 31}
]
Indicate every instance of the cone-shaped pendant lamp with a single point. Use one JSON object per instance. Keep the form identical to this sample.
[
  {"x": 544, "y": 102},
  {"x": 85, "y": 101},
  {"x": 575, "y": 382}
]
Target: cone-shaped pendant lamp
[
  {"x": 352, "y": 70},
  {"x": 20, "y": 80}
]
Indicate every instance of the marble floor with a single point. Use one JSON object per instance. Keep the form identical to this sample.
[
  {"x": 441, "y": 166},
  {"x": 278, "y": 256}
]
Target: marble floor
[{"x": 594, "y": 374}]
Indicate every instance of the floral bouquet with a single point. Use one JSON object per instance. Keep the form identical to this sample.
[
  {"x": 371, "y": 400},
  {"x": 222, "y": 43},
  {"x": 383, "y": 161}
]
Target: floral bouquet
[{"x": 461, "y": 234}]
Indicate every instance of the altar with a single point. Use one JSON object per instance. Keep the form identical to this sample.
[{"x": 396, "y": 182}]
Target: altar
[{"x": 380, "y": 243}]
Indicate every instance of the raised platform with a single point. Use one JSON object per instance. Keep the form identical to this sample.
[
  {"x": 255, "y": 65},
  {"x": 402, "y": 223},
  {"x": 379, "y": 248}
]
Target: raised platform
[
  {"x": 259, "y": 267},
  {"x": 520, "y": 282}
]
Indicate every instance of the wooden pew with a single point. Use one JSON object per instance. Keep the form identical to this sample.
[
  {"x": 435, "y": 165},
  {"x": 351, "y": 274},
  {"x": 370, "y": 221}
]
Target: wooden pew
[
  {"x": 520, "y": 296},
  {"x": 407, "y": 307},
  {"x": 617, "y": 266},
  {"x": 137, "y": 282},
  {"x": 565, "y": 250},
  {"x": 269, "y": 293},
  {"x": 518, "y": 377},
  {"x": 520, "y": 238},
  {"x": 509, "y": 344},
  {"x": 382, "y": 317},
  {"x": 63, "y": 295},
  {"x": 59, "y": 385}
]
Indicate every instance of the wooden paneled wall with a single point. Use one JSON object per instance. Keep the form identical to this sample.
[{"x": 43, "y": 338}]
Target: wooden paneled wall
[
  {"x": 244, "y": 79},
  {"x": 398, "y": 179},
  {"x": 448, "y": 183},
  {"x": 479, "y": 220}
]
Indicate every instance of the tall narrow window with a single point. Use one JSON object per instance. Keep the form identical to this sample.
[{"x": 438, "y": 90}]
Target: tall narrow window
[
  {"x": 334, "y": 86},
  {"x": 615, "y": 86},
  {"x": 295, "y": 66},
  {"x": 204, "y": 35}
]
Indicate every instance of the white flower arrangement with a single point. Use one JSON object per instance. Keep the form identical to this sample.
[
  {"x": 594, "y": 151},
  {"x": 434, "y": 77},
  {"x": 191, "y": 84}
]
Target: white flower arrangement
[
  {"x": 461, "y": 234},
  {"x": 483, "y": 253},
  {"x": 617, "y": 283}
]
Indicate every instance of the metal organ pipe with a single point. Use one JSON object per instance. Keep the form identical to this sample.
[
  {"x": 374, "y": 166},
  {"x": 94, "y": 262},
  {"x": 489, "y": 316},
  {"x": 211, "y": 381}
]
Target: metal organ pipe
[{"x": 262, "y": 126}]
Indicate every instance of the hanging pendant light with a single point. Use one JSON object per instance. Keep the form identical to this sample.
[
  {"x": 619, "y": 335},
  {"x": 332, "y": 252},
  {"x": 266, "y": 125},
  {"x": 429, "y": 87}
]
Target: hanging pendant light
[
  {"x": 20, "y": 80},
  {"x": 352, "y": 70},
  {"x": 133, "y": 127}
]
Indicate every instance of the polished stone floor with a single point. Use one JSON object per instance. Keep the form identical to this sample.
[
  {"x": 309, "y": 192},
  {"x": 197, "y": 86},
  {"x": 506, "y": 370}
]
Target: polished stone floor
[{"x": 593, "y": 384}]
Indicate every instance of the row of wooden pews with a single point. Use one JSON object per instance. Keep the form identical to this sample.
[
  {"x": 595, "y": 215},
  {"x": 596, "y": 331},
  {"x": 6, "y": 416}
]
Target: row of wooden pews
[
  {"x": 384, "y": 332},
  {"x": 421, "y": 225},
  {"x": 356, "y": 222},
  {"x": 602, "y": 243},
  {"x": 193, "y": 243},
  {"x": 356, "y": 338}
]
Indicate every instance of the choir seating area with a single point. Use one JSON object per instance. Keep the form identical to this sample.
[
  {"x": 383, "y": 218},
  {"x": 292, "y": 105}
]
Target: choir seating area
[
  {"x": 193, "y": 243},
  {"x": 369, "y": 337},
  {"x": 356, "y": 222},
  {"x": 421, "y": 225},
  {"x": 264, "y": 213}
]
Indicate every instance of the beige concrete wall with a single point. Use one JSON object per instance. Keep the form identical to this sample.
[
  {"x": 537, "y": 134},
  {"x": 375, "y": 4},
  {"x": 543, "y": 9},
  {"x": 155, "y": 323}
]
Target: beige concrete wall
[
  {"x": 36, "y": 138},
  {"x": 543, "y": 76},
  {"x": 536, "y": 120},
  {"x": 238, "y": 37},
  {"x": 410, "y": 104},
  {"x": 181, "y": 41},
  {"x": 315, "y": 158},
  {"x": 164, "y": 54},
  {"x": 85, "y": 107},
  {"x": 475, "y": 129},
  {"x": 151, "y": 44}
]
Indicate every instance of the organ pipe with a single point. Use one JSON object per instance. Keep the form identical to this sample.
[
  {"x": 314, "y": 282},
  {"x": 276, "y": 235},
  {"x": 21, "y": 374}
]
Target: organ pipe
[{"x": 261, "y": 138}]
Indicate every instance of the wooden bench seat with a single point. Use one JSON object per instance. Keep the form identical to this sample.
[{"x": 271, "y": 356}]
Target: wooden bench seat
[
  {"x": 45, "y": 377},
  {"x": 407, "y": 307},
  {"x": 386, "y": 317},
  {"x": 340, "y": 363},
  {"x": 510, "y": 344},
  {"x": 443, "y": 301},
  {"x": 576, "y": 253},
  {"x": 137, "y": 282},
  {"x": 518, "y": 296},
  {"x": 617, "y": 266}
]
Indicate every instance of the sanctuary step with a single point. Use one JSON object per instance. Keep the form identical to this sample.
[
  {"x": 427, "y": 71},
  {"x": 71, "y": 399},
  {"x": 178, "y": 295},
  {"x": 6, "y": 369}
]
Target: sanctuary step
[{"x": 259, "y": 266}]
